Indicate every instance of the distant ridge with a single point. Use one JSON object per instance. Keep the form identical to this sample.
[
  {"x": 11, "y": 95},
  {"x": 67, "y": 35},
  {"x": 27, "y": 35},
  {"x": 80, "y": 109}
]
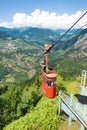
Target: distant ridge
[{"x": 21, "y": 50}]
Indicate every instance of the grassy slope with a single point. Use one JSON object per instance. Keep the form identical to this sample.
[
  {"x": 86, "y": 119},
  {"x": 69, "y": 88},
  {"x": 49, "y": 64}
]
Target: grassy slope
[
  {"x": 72, "y": 87},
  {"x": 44, "y": 115},
  {"x": 64, "y": 126}
]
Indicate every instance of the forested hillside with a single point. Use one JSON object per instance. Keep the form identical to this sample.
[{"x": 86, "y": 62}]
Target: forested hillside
[
  {"x": 70, "y": 55},
  {"x": 27, "y": 108},
  {"x": 22, "y": 49},
  {"x": 17, "y": 100},
  {"x": 22, "y": 103}
]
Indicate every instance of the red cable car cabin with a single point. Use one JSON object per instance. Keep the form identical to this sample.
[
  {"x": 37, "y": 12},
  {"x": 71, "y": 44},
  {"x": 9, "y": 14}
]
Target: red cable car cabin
[{"x": 48, "y": 75}]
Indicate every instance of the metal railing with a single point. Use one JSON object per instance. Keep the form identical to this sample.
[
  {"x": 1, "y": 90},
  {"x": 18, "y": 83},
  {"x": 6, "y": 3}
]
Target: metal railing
[{"x": 66, "y": 104}]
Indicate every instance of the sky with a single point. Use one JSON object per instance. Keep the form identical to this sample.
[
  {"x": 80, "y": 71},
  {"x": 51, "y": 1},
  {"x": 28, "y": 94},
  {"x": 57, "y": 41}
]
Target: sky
[{"x": 53, "y": 14}]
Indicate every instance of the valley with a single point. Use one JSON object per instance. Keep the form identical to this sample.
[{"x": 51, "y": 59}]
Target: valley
[
  {"x": 18, "y": 60},
  {"x": 22, "y": 49}
]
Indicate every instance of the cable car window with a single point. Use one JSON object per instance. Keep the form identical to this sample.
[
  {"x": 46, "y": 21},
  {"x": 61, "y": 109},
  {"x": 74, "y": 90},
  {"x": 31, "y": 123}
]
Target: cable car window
[
  {"x": 54, "y": 84},
  {"x": 48, "y": 82}
]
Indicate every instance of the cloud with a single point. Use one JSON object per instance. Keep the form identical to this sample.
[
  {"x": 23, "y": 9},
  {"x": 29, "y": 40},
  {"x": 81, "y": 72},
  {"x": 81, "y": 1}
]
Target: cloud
[{"x": 44, "y": 19}]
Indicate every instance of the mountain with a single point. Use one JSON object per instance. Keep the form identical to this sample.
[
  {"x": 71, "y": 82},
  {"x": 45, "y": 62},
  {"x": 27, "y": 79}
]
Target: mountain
[
  {"x": 38, "y": 34},
  {"x": 60, "y": 32},
  {"x": 12, "y": 31},
  {"x": 21, "y": 50},
  {"x": 4, "y": 36},
  {"x": 29, "y": 33},
  {"x": 71, "y": 54},
  {"x": 81, "y": 43},
  {"x": 77, "y": 42},
  {"x": 18, "y": 59}
]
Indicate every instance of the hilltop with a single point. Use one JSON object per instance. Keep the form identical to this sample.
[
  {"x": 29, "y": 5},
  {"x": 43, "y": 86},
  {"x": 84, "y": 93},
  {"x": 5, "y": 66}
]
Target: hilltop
[{"x": 43, "y": 115}]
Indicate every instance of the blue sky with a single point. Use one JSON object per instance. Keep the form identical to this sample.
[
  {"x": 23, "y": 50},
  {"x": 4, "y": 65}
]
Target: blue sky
[{"x": 9, "y": 8}]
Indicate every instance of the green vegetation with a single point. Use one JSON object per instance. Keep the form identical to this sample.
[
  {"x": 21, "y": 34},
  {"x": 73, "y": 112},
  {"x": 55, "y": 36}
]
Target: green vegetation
[
  {"x": 3, "y": 71},
  {"x": 22, "y": 103},
  {"x": 27, "y": 108},
  {"x": 16, "y": 101},
  {"x": 21, "y": 51},
  {"x": 18, "y": 60},
  {"x": 42, "y": 117}
]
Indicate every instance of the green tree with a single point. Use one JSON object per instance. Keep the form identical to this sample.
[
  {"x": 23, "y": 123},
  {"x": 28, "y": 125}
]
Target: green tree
[{"x": 60, "y": 84}]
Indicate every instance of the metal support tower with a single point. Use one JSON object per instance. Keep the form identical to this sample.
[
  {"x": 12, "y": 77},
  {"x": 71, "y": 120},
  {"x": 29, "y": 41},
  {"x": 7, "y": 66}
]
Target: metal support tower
[{"x": 83, "y": 80}]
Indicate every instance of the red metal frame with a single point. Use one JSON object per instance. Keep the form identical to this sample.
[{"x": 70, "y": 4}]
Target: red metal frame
[
  {"x": 48, "y": 85},
  {"x": 48, "y": 75}
]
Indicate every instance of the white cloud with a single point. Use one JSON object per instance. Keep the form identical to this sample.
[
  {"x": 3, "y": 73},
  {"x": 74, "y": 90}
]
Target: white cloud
[
  {"x": 5, "y": 24},
  {"x": 45, "y": 19}
]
